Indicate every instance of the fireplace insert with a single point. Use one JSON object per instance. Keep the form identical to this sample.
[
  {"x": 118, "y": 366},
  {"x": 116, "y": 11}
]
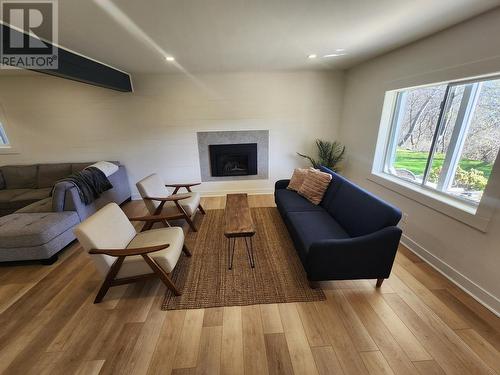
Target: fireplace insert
[{"x": 233, "y": 159}]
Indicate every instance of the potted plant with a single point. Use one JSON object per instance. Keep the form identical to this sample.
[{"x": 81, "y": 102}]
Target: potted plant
[{"x": 330, "y": 154}]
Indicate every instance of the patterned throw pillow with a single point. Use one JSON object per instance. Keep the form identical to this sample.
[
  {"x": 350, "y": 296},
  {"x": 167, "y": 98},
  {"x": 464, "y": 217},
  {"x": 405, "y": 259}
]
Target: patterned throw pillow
[
  {"x": 315, "y": 185},
  {"x": 299, "y": 174}
]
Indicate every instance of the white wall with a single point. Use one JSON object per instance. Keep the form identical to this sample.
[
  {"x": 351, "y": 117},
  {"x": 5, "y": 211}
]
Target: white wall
[
  {"x": 472, "y": 48},
  {"x": 154, "y": 129}
]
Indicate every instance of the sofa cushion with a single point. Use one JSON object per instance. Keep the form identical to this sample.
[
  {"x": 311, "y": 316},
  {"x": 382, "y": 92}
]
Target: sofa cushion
[
  {"x": 44, "y": 205},
  {"x": 166, "y": 258},
  {"x": 34, "y": 229},
  {"x": 49, "y": 174},
  {"x": 311, "y": 226},
  {"x": 8, "y": 195},
  {"x": 20, "y": 176},
  {"x": 289, "y": 201},
  {"x": 94, "y": 232},
  {"x": 315, "y": 185},
  {"x": 12, "y": 200},
  {"x": 358, "y": 211},
  {"x": 33, "y": 195},
  {"x": 298, "y": 177},
  {"x": 2, "y": 181},
  {"x": 190, "y": 204},
  {"x": 8, "y": 204}
]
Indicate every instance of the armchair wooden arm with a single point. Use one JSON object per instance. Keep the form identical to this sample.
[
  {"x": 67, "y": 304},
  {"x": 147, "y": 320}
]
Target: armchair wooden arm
[
  {"x": 127, "y": 252},
  {"x": 179, "y": 186},
  {"x": 171, "y": 198},
  {"x": 155, "y": 218},
  {"x": 183, "y": 185}
]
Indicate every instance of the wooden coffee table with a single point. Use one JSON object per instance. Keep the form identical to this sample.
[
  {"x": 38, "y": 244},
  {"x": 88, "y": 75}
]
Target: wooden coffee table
[{"x": 238, "y": 224}]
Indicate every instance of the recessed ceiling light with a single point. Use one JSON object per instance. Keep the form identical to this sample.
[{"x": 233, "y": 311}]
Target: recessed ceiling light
[
  {"x": 340, "y": 50},
  {"x": 312, "y": 56},
  {"x": 335, "y": 54},
  {"x": 170, "y": 58}
]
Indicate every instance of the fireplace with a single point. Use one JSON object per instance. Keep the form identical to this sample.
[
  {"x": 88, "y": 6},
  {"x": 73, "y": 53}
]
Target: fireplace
[{"x": 233, "y": 159}]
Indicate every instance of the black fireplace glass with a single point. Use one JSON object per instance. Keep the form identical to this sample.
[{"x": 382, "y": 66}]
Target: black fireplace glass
[{"x": 239, "y": 159}]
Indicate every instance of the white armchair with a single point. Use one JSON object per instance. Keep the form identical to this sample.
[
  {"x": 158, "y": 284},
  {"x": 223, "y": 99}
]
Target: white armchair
[
  {"x": 158, "y": 200},
  {"x": 124, "y": 255}
]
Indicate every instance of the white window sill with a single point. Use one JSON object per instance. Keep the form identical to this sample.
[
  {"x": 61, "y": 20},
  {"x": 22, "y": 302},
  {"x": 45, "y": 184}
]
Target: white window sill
[
  {"x": 477, "y": 217},
  {"x": 7, "y": 150}
]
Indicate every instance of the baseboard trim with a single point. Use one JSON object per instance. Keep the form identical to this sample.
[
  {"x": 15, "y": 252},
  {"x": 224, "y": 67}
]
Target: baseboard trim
[
  {"x": 481, "y": 295},
  {"x": 221, "y": 193}
]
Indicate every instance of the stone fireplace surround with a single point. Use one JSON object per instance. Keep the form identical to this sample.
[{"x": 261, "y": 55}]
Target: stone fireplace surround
[{"x": 261, "y": 137}]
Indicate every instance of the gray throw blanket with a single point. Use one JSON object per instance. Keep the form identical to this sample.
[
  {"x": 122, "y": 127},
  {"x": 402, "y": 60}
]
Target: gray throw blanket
[{"x": 90, "y": 183}]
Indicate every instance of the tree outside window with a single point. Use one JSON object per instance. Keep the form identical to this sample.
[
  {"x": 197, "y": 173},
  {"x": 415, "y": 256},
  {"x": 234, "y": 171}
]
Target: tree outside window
[{"x": 446, "y": 137}]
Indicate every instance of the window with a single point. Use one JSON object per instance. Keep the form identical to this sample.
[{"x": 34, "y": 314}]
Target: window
[
  {"x": 446, "y": 137},
  {"x": 4, "y": 141}
]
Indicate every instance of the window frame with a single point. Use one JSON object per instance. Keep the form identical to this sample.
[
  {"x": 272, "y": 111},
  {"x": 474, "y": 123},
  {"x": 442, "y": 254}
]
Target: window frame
[
  {"x": 474, "y": 214},
  {"x": 6, "y": 149},
  {"x": 3, "y": 136}
]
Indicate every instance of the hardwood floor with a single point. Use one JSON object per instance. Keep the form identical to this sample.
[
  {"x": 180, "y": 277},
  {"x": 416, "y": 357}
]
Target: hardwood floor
[{"x": 416, "y": 323}]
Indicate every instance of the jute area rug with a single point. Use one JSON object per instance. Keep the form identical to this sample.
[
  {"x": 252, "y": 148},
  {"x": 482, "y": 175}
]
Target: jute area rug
[{"x": 206, "y": 281}]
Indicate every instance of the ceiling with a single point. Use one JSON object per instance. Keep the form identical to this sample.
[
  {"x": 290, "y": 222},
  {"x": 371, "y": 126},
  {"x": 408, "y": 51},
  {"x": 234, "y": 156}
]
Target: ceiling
[{"x": 248, "y": 35}]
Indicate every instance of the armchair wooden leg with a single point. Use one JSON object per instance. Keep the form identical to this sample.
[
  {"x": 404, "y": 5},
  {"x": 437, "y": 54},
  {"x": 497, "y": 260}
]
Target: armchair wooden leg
[
  {"x": 186, "y": 251},
  {"x": 147, "y": 226},
  {"x": 379, "y": 282},
  {"x": 161, "y": 274},
  {"x": 108, "y": 281},
  {"x": 191, "y": 224},
  {"x": 186, "y": 216},
  {"x": 201, "y": 209}
]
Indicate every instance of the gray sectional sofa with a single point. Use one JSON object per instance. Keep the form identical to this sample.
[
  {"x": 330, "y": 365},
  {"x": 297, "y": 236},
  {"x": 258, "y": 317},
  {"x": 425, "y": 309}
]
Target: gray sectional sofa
[
  {"x": 36, "y": 236},
  {"x": 21, "y": 185},
  {"x": 34, "y": 224}
]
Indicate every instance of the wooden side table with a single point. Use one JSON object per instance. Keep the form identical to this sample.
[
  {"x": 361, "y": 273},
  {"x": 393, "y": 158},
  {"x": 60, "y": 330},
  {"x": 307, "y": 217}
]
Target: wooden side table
[{"x": 238, "y": 224}]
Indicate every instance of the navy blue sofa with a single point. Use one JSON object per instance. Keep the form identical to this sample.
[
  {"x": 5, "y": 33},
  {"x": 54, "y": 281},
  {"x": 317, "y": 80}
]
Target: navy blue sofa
[{"x": 351, "y": 234}]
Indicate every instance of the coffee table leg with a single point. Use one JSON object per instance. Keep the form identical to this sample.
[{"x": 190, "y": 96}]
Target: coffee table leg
[
  {"x": 250, "y": 252},
  {"x": 230, "y": 253}
]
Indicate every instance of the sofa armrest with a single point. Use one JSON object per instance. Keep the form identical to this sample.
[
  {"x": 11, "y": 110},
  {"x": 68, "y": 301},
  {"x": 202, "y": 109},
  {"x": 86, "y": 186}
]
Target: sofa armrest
[
  {"x": 281, "y": 184},
  {"x": 365, "y": 257},
  {"x": 65, "y": 195},
  {"x": 59, "y": 196}
]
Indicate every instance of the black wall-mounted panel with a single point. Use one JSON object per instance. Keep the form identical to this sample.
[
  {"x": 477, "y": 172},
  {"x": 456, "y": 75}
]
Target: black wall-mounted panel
[{"x": 78, "y": 68}]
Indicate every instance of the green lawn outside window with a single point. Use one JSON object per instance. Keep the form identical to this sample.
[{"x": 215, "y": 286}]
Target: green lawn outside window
[{"x": 415, "y": 161}]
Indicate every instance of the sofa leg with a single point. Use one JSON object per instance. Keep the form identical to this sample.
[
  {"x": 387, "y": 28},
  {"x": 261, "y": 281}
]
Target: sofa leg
[
  {"x": 313, "y": 284},
  {"x": 49, "y": 261},
  {"x": 379, "y": 282}
]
